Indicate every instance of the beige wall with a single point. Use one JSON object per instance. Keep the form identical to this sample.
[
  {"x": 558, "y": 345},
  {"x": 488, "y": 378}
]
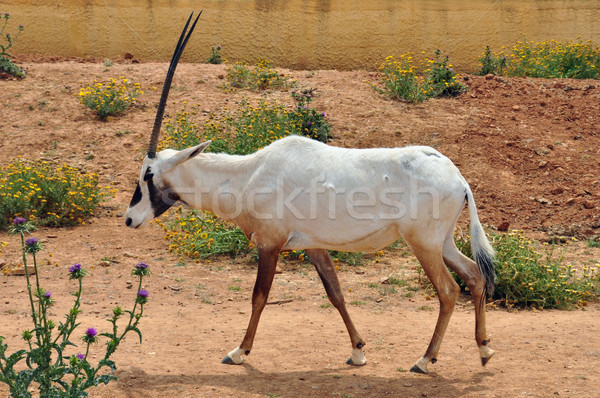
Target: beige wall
[{"x": 336, "y": 34}]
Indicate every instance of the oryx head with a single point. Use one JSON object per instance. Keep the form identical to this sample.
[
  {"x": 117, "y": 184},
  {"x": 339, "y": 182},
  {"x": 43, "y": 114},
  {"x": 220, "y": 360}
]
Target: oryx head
[{"x": 154, "y": 193}]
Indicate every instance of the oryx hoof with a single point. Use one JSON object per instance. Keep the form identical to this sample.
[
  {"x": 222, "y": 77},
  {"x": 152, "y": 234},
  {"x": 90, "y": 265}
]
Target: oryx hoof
[
  {"x": 234, "y": 357},
  {"x": 357, "y": 358},
  {"x": 486, "y": 354},
  {"x": 420, "y": 366}
]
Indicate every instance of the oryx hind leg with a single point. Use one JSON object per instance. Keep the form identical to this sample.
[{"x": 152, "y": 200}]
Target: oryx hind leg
[
  {"x": 447, "y": 290},
  {"x": 469, "y": 272},
  {"x": 326, "y": 270},
  {"x": 267, "y": 261}
]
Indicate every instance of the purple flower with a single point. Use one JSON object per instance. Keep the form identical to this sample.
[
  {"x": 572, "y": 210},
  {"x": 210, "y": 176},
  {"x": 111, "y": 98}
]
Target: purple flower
[
  {"x": 19, "y": 221},
  {"x": 47, "y": 295},
  {"x": 80, "y": 356},
  {"x": 141, "y": 265},
  {"x": 31, "y": 241},
  {"x": 323, "y": 114},
  {"x": 75, "y": 268},
  {"x": 91, "y": 333},
  {"x": 219, "y": 47},
  {"x": 143, "y": 293},
  {"x": 90, "y": 336}
]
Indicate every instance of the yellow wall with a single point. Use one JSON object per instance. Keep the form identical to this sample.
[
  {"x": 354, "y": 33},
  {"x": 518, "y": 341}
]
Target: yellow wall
[{"x": 325, "y": 34}]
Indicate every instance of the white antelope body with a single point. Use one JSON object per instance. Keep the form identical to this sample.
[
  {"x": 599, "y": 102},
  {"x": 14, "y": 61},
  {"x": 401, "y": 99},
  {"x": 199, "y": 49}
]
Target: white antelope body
[{"x": 301, "y": 194}]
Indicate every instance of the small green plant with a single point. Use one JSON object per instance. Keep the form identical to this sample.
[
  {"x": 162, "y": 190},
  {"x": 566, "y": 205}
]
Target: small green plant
[
  {"x": 594, "y": 243},
  {"x": 109, "y": 99},
  {"x": 53, "y": 363},
  {"x": 259, "y": 77},
  {"x": 6, "y": 65},
  {"x": 491, "y": 63},
  {"x": 310, "y": 122},
  {"x": 442, "y": 78},
  {"x": 527, "y": 278},
  {"x": 52, "y": 195},
  {"x": 215, "y": 55}
]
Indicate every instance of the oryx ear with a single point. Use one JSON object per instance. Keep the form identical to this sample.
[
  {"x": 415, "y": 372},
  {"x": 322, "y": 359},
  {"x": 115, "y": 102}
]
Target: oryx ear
[{"x": 188, "y": 153}]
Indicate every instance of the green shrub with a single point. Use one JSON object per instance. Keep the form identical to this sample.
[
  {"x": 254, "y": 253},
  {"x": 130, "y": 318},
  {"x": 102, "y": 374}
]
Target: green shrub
[
  {"x": 409, "y": 80},
  {"x": 259, "y": 77},
  {"x": 201, "y": 235},
  {"x": 109, "y": 99},
  {"x": 491, "y": 63},
  {"x": 310, "y": 122},
  {"x": 527, "y": 278},
  {"x": 52, "y": 195},
  {"x": 547, "y": 59},
  {"x": 6, "y": 65}
]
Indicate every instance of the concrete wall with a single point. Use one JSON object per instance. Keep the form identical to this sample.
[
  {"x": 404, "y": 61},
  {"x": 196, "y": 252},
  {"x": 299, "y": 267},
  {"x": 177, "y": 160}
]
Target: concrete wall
[{"x": 325, "y": 34}]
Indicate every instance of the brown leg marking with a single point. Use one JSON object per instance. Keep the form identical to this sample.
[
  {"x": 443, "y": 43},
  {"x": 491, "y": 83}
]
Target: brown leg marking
[{"x": 326, "y": 271}]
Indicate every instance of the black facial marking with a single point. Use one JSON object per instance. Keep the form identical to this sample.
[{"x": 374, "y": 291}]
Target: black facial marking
[
  {"x": 137, "y": 196},
  {"x": 160, "y": 199}
]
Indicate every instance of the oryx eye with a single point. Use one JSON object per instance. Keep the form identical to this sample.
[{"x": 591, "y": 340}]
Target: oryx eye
[{"x": 148, "y": 174}]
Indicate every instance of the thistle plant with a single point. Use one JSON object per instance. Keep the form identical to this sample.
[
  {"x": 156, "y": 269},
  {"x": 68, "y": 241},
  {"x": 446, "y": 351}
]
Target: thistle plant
[
  {"x": 51, "y": 364},
  {"x": 6, "y": 42},
  {"x": 215, "y": 55}
]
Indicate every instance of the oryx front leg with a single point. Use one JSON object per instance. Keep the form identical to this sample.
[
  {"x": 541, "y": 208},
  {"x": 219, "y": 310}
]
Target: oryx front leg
[
  {"x": 267, "y": 261},
  {"x": 326, "y": 271}
]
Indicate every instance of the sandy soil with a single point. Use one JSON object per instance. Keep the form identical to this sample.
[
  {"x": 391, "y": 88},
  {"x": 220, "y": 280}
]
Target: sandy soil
[{"x": 529, "y": 148}]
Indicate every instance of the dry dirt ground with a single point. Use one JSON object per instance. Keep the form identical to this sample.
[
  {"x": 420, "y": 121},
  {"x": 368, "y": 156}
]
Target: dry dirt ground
[{"x": 530, "y": 149}]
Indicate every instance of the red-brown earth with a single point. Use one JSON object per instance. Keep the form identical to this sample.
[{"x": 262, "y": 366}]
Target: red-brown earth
[{"x": 530, "y": 148}]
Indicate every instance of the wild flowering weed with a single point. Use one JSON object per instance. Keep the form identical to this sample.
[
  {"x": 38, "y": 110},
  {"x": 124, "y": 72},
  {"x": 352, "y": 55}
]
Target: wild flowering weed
[
  {"x": 546, "y": 59},
  {"x": 201, "y": 235},
  {"x": 411, "y": 80},
  {"x": 53, "y": 363},
  {"x": 215, "y": 55},
  {"x": 50, "y": 194},
  {"x": 259, "y": 77},
  {"x": 109, "y": 99},
  {"x": 525, "y": 277},
  {"x": 6, "y": 42}
]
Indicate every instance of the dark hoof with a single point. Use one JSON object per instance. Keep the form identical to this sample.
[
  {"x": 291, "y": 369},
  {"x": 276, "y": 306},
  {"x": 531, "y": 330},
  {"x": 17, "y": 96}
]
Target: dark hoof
[
  {"x": 349, "y": 362},
  {"x": 416, "y": 369},
  {"x": 485, "y": 360},
  {"x": 228, "y": 361}
]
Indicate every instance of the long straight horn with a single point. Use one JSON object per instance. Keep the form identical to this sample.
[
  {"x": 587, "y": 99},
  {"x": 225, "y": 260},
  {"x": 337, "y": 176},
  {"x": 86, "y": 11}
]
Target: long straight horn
[{"x": 183, "y": 39}]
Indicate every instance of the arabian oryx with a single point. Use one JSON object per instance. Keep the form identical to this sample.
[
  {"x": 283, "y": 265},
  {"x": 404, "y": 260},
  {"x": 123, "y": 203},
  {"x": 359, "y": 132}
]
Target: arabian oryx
[{"x": 298, "y": 193}]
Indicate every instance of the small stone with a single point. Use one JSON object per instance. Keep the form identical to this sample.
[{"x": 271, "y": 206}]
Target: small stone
[
  {"x": 408, "y": 383},
  {"x": 105, "y": 263},
  {"x": 128, "y": 254},
  {"x": 503, "y": 226},
  {"x": 588, "y": 204},
  {"x": 516, "y": 108},
  {"x": 557, "y": 191},
  {"x": 489, "y": 76}
]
